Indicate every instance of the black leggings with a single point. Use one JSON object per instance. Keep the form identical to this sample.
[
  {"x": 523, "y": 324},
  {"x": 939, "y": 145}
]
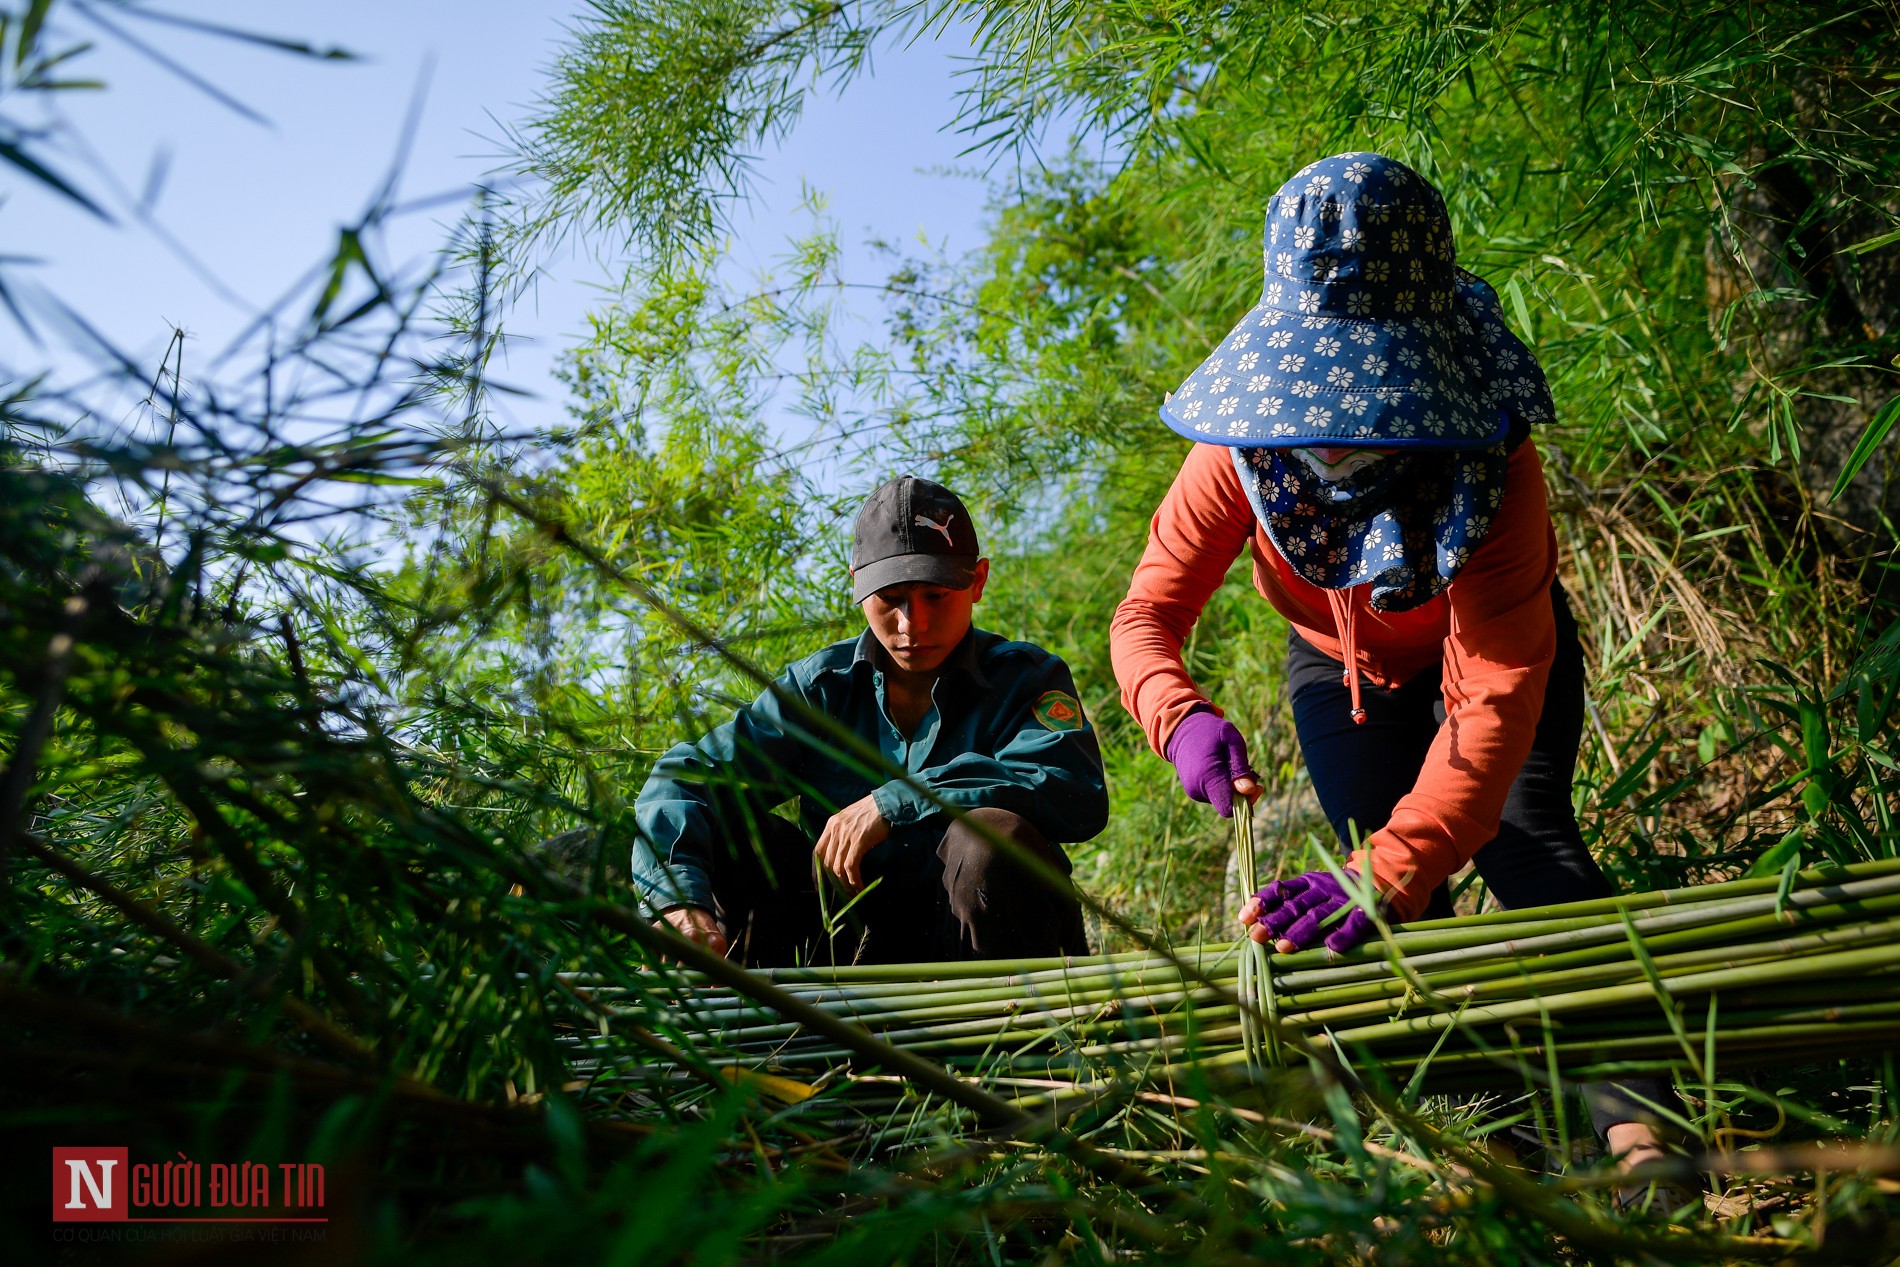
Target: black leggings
[
  {"x": 1361, "y": 770},
  {"x": 1538, "y": 857}
]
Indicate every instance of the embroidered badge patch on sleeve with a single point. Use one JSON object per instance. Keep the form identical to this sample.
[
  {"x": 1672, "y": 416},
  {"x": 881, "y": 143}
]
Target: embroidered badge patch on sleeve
[{"x": 1058, "y": 711}]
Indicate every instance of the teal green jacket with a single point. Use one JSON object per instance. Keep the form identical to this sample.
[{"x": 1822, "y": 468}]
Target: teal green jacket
[{"x": 1005, "y": 730}]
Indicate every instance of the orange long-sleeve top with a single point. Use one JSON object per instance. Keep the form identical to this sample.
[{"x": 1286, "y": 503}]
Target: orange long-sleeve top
[{"x": 1492, "y": 630}]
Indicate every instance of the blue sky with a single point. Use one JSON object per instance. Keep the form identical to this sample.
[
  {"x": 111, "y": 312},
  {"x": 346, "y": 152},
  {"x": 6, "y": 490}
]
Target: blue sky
[{"x": 257, "y": 204}]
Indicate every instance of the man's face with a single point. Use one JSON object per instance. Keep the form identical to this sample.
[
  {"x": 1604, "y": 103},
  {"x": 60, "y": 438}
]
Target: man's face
[{"x": 919, "y": 624}]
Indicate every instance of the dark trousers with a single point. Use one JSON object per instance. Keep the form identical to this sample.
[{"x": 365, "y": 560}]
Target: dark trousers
[
  {"x": 1538, "y": 857},
  {"x": 943, "y": 893}
]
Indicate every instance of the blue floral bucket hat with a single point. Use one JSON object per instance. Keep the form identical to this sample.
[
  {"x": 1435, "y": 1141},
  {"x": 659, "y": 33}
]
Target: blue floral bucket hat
[{"x": 1367, "y": 334}]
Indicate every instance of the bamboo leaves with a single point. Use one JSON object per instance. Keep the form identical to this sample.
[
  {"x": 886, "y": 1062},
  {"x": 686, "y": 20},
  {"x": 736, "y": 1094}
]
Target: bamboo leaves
[
  {"x": 1870, "y": 440},
  {"x": 1783, "y": 854},
  {"x": 647, "y": 136}
]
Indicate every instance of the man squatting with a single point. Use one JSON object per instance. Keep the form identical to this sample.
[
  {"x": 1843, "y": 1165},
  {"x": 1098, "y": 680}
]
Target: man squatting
[{"x": 948, "y": 717}]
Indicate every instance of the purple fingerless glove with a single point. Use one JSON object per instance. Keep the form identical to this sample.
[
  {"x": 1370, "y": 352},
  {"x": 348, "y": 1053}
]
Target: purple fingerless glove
[
  {"x": 1209, "y": 754},
  {"x": 1294, "y": 910}
]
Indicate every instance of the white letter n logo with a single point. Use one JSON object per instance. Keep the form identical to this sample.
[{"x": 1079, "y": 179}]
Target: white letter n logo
[
  {"x": 87, "y": 1187},
  {"x": 100, "y": 1189}
]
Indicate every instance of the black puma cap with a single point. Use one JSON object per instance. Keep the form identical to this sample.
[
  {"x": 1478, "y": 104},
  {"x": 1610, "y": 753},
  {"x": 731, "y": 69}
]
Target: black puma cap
[{"x": 912, "y": 530}]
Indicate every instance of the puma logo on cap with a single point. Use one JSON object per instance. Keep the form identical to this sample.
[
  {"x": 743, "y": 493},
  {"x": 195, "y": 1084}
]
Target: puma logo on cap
[{"x": 924, "y": 522}]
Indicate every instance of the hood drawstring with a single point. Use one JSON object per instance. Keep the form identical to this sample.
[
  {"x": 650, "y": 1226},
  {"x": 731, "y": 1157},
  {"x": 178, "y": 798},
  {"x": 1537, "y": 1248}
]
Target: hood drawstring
[{"x": 1345, "y": 614}]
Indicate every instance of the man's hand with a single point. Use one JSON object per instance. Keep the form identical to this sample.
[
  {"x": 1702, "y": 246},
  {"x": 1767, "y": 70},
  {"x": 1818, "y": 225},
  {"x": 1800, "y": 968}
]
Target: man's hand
[
  {"x": 848, "y": 835},
  {"x": 695, "y": 923}
]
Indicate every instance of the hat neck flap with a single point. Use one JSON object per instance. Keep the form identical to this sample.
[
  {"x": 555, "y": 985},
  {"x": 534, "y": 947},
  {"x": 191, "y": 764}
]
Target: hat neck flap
[{"x": 1405, "y": 526}]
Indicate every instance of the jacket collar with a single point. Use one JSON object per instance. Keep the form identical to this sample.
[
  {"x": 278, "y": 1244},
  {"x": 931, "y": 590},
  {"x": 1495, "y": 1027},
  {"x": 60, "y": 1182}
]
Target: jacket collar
[{"x": 963, "y": 660}]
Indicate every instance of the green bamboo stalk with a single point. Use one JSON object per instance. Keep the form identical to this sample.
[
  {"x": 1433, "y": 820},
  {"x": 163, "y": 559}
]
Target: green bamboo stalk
[
  {"x": 1735, "y": 1043},
  {"x": 1827, "y": 897},
  {"x": 1613, "y": 906},
  {"x": 1164, "y": 983},
  {"x": 1568, "y": 971},
  {"x": 1544, "y": 982},
  {"x": 1618, "y": 951},
  {"x": 920, "y": 997},
  {"x": 1253, "y": 972},
  {"x": 1542, "y": 935},
  {"x": 1806, "y": 968},
  {"x": 1126, "y": 1012},
  {"x": 901, "y": 977}
]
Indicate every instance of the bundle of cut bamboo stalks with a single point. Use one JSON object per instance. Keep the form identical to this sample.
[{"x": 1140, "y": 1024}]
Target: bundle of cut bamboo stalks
[{"x": 1753, "y": 971}]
